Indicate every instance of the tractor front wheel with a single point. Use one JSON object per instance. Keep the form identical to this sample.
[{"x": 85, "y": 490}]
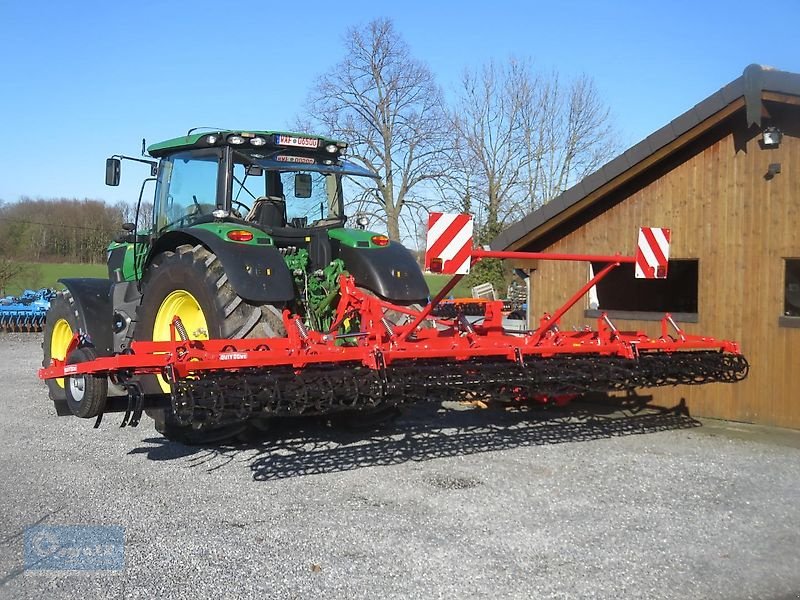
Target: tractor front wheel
[{"x": 190, "y": 283}]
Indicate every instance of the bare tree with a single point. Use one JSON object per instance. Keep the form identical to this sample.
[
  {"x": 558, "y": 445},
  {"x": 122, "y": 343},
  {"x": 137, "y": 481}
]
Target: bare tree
[
  {"x": 9, "y": 269},
  {"x": 521, "y": 138},
  {"x": 487, "y": 124},
  {"x": 567, "y": 135},
  {"x": 386, "y": 105}
]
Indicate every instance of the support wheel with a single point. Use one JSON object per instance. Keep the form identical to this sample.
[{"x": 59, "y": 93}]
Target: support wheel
[{"x": 86, "y": 394}]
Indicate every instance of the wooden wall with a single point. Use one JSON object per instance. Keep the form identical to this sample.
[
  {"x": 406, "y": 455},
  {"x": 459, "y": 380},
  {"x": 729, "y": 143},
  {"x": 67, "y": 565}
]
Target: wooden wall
[{"x": 740, "y": 226}]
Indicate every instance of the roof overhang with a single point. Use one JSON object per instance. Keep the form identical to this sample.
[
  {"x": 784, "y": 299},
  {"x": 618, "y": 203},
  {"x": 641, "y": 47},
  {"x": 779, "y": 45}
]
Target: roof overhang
[{"x": 756, "y": 85}]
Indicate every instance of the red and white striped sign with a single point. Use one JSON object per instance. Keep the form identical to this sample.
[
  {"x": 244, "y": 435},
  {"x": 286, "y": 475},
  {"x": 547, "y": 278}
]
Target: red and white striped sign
[
  {"x": 449, "y": 244},
  {"x": 652, "y": 253}
]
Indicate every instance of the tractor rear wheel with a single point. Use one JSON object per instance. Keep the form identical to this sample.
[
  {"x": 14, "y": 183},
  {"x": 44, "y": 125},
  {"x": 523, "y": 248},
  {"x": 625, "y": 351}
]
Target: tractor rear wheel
[
  {"x": 62, "y": 322},
  {"x": 191, "y": 283}
]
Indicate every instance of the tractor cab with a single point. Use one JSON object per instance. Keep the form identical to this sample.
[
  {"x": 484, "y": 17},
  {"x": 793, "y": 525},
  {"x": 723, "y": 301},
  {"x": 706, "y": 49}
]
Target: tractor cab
[{"x": 287, "y": 185}]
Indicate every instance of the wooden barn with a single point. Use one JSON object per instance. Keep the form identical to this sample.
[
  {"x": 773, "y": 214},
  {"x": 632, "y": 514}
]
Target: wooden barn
[{"x": 725, "y": 177}]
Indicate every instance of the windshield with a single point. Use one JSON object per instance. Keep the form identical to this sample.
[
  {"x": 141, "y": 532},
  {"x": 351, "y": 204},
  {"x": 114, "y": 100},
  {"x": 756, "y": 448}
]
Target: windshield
[
  {"x": 277, "y": 192},
  {"x": 309, "y": 196}
]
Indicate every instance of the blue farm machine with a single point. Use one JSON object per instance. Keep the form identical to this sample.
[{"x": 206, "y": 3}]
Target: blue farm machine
[{"x": 26, "y": 312}]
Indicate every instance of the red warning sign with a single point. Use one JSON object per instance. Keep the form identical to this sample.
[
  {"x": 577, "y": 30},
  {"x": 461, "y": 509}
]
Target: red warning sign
[
  {"x": 652, "y": 253},
  {"x": 449, "y": 244}
]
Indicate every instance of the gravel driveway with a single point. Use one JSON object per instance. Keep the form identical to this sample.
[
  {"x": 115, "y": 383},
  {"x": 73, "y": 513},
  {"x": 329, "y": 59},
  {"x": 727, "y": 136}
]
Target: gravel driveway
[{"x": 444, "y": 504}]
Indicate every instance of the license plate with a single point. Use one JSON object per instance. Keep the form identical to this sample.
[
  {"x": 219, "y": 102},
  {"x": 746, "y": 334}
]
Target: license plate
[
  {"x": 296, "y": 159},
  {"x": 298, "y": 142}
]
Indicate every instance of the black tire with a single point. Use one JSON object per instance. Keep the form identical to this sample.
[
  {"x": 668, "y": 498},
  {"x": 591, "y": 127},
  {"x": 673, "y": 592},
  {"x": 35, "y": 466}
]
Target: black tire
[
  {"x": 62, "y": 307},
  {"x": 198, "y": 271},
  {"x": 86, "y": 394},
  {"x": 167, "y": 426}
]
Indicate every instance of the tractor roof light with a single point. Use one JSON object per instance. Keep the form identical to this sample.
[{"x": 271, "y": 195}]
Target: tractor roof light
[
  {"x": 380, "y": 240},
  {"x": 212, "y": 139},
  {"x": 236, "y": 139},
  {"x": 220, "y": 214},
  {"x": 332, "y": 148},
  {"x": 258, "y": 141}
]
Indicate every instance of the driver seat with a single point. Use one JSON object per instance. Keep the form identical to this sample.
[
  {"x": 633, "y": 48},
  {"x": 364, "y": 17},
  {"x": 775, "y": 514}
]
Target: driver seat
[{"x": 268, "y": 211}]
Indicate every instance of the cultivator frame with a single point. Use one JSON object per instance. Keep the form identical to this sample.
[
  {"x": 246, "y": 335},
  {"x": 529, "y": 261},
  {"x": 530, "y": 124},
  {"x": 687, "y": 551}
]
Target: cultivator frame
[{"x": 384, "y": 363}]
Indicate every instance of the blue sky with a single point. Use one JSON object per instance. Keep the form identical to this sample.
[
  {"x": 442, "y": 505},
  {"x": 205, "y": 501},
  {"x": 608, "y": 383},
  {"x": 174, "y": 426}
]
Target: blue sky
[{"x": 84, "y": 80}]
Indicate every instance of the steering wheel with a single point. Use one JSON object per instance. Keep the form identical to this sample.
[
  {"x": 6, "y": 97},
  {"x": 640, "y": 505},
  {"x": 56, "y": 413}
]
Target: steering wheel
[{"x": 239, "y": 204}]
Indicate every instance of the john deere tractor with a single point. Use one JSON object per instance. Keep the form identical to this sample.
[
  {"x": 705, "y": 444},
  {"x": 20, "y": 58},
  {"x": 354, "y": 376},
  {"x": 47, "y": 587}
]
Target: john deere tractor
[{"x": 245, "y": 224}]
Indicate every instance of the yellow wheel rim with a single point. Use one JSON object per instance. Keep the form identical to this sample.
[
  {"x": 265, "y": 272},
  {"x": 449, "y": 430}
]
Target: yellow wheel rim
[
  {"x": 59, "y": 342},
  {"x": 182, "y": 304}
]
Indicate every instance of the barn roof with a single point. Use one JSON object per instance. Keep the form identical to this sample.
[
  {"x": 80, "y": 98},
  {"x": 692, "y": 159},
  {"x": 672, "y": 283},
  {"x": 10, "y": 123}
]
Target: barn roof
[{"x": 756, "y": 83}]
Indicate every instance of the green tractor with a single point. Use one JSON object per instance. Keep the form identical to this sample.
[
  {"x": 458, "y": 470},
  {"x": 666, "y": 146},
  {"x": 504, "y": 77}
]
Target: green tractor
[{"x": 245, "y": 225}]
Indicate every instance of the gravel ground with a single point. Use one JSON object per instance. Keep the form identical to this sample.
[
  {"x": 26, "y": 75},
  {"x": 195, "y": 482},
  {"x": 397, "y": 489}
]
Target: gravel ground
[{"x": 444, "y": 504}]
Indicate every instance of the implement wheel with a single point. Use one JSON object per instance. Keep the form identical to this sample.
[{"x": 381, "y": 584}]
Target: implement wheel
[
  {"x": 86, "y": 394},
  {"x": 190, "y": 283}
]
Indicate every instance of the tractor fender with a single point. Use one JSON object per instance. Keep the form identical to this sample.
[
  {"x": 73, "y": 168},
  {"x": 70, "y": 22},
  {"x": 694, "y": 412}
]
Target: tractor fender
[
  {"x": 93, "y": 308},
  {"x": 256, "y": 273},
  {"x": 390, "y": 271}
]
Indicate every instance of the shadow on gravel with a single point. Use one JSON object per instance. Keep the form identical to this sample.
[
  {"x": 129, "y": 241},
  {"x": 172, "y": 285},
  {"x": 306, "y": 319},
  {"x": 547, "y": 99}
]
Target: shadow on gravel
[{"x": 301, "y": 447}]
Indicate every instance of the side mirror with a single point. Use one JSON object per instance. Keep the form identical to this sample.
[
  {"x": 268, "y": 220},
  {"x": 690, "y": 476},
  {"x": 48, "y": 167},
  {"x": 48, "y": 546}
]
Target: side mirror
[
  {"x": 302, "y": 185},
  {"x": 112, "y": 171},
  {"x": 128, "y": 226},
  {"x": 254, "y": 171}
]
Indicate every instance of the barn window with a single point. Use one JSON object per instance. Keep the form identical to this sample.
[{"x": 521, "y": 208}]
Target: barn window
[
  {"x": 791, "y": 293},
  {"x": 623, "y": 296}
]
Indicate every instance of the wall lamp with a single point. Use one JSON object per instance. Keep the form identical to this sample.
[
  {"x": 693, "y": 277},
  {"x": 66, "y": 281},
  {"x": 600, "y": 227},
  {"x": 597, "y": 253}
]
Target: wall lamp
[
  {"x": 772, "y": 170},
  {"x": 771, "y": 137}
]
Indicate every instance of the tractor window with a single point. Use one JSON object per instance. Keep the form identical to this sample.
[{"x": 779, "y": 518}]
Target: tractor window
[
  {"x": 322, "y": 202},
  {"x": 246, "y": 188},
  {"x": 188, "y": 190},
  {"x": 306, "y": 206}
]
